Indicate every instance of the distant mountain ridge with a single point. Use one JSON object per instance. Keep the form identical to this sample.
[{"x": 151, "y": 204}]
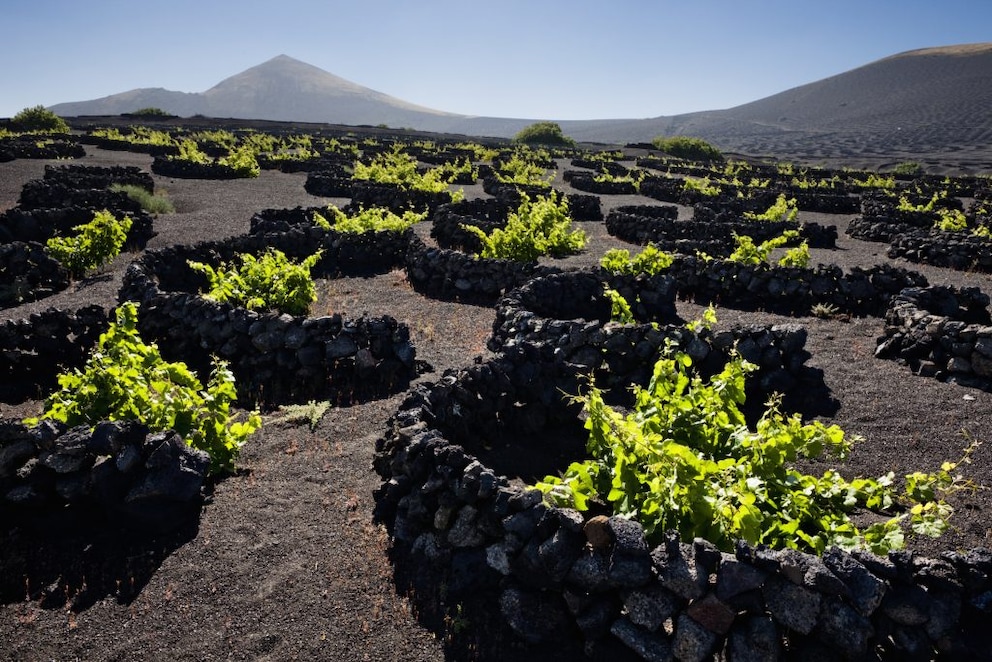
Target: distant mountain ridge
[
  {"x": 930, "y": 101},
  {"x": 280, "y": 89}
]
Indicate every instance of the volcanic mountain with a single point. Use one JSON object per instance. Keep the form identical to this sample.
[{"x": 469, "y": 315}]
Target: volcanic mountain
[
  {"x": 924, "y": 104},
  {"x": 932, "y": 102},
  {"x": 281, "y": 89}
]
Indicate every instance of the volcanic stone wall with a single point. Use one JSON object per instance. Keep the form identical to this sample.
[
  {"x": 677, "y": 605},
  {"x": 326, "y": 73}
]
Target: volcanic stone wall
[
  {"x": 89, "y": 177},
  {"x": 276, "y": 358},
  {"x": 168, "y": 166},
  {"x": 581, "y": 207},
  {"x": 586, "y": 181},
  {"x": 117, "y": 469},
  {"x": 34, "y": 351},
  {"x": 791, "y": 290},
  {"x": 941, "y": 332},
  {"x": 394, "y": 197},
  {"x": 881, "y": 219},
  {"x": 826, "y": 203},
  {"x": 56, "y": 146},
  {"x": 563, "y": 321},
  {"x": 328, "y": 184},
  {"x": 19, "y": 224},
  {"x": 69, "y": 196},
  {"x": 449, "y": 274},
  {"x": 955, "y": 250},
  {"x": 717, "y": 234},
  {"x": 28, "y": 273},
  {"x": 558, "y": 574},
  {"x": 487, "y": 214}
]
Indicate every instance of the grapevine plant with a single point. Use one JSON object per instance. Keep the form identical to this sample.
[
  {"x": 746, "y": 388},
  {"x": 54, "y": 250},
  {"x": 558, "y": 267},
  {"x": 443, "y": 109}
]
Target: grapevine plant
[
  {"x": 650, "y": 261},
  {"x": 95, "y": 244},
  {"x": 269, "y": 282},
  {"x": 783, "y": 209},
  {"x": 241, "y": 159},
  {"x": 521, "y": 169},
  {"x": 539, "y": 227},
  {"x": 372, "y": 219},
  {"x": 399, "y": 168},
  {"x": 747, "y": 252},
  {"x": 127, "y": 379},
  {"x": 685, "y": 460}
]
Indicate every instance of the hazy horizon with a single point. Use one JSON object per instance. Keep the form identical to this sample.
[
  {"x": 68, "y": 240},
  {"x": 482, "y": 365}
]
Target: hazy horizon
[{"x": 550, "y": 60}]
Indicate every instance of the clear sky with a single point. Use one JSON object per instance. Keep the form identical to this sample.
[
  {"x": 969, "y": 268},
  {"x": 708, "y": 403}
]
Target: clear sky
[{"x": 532, "y": 59}]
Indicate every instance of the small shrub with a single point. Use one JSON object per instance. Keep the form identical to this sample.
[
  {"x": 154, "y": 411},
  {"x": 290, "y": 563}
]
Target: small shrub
[
  {"x": 190, "y": 151},
  {"x": 874, "y": 181},
  {"x": 399, "y": 168},
  {"x": 951, "y": 220},
  {"x": 798, "y": 256},
  {"x": 151, "y": 112},
  {"x": 269, "y": 282},
  {"x": 150, "y": 202},
  {"x": 543, "y": 133},
  {"x": 126, "y": 379},
  {"x": 825, "y": 310},
  {"x": 911, "y": 168},
  {"x": 311, "y": 413},
  {"x": 97, "y": 243},
  {"x": 701, "y": 185},
  {"x": 747, "y": 252},
  {"x": 691, "y": 149},
  {"x": 518, "y": 169},
  {"x": 38, "y": 119}
]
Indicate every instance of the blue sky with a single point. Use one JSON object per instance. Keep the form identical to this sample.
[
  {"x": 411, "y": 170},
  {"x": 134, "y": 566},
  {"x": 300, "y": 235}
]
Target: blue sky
[{"x": 550, "y": 59}]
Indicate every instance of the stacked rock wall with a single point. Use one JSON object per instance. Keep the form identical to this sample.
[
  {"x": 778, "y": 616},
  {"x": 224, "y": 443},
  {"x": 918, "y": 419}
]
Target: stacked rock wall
[
  {"x": 954, "y": 250},
  {"x": 395, "y": 198},
  {"x": 19, "y": 224},
  {"x": 168, "y": 166},
  {"x": 276, "y": 358},
  {"x": 328, "y": 184},
  {"x": 557, "y": 574},
  {"x": 791, "y": 290},
  {"x": 563, "y": 321},
  {"x": 69, "y": 196},
  {"x": 669, "y": 234},
  {"x": 449, "y": 274},
  {"x": 34, "y": 351},
  {"x": 28, "y": 273},
  {"x": 87, "y": 177},
  {"x": 586, "y": 181},
  {"x": 117, "y": 469},
  {"x": 941, "y": 332},
  {"x": 485, "y": 214},
  {"x": 33, "y": 146}
]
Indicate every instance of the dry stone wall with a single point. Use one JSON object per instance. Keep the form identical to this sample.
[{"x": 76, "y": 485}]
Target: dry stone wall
[
  {"x": 941, "y": 332},
  {"x": 954, "y": 250},
  {"x": 791, "y": 290},
  {"x": 714, "y": 233},
  {"x": 28, "y": 273},
  {"x": 275, "y": 358},
  {"x": 556, "y": 574},
  {"x": 35, "y": 350},
  {"x": 116, "y": 470}
]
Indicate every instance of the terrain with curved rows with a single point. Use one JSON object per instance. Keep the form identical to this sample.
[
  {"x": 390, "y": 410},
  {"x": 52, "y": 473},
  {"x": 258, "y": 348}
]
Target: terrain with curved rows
[{"x": 300, "y": 552}]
